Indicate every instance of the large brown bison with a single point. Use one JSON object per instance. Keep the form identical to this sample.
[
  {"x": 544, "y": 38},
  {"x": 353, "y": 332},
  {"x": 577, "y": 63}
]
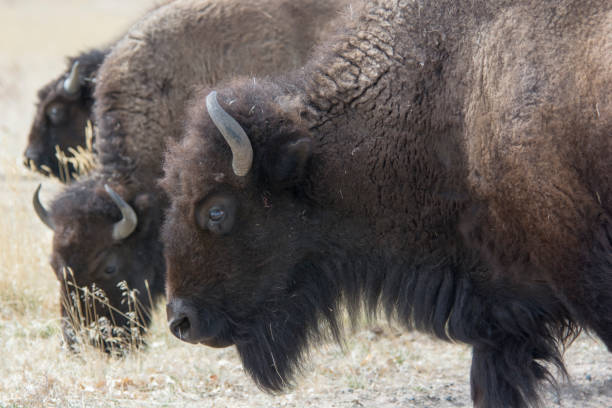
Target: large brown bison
[
  {"x": 64, "y": 107},
  {"x": 106, "y": 226},
  {"x": 446, "y": 163}
]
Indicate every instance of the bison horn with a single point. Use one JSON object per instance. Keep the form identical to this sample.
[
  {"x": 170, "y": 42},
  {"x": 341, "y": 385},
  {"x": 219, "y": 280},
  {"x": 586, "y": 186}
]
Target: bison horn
[
  {"x": 72, "y": 85},
  {"x": 40, "y": 210},
  {"x": 124, "y": 228},
  {"x": 234, "y": 135}
]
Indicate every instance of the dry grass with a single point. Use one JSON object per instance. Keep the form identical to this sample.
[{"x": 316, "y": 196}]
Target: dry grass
[
  {"x": 85, "y": 328},
  {"x": 379, "y": 369},
  {"x": 82, "y": 160}
]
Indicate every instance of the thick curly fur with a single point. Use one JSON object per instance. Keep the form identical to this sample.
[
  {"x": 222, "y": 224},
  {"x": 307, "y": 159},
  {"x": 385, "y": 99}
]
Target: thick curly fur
[{"x": 458, "y": 179}]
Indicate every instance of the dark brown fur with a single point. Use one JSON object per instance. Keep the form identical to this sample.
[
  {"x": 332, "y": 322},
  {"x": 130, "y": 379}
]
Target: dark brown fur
[
  {"x": 66, "y": 127},
  {"x": 83, "y": 216},
  {"x": 140, "y": 94},
  {"x": 446, "y": 162}
]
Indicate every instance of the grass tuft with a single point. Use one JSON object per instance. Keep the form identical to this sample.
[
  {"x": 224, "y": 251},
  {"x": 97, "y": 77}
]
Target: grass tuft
[
  {"x": 84, "y": 326},
  {"x": 82, "y": 159}
]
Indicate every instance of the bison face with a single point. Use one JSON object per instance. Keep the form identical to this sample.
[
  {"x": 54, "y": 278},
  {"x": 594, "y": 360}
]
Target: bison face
[
  {"x": 61, "y": 117},
  {"x": 240, "y": 240},
  {"x": 108, "y": 260}
]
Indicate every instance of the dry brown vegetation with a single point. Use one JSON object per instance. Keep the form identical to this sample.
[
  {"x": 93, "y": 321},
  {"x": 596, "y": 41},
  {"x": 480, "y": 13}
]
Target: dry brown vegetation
[{"x": 378, "y": 368}]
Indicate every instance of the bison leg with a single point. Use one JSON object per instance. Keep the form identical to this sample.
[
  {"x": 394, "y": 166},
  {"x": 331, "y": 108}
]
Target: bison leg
[
  {"x": 515, "y": 340},
  {"x": 596, "y": 303},
  {"x": 506, "y": 376}
]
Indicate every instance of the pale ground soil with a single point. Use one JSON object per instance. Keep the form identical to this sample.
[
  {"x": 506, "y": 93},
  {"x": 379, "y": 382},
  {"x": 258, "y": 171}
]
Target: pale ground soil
[{"x": 389, "y": 369}]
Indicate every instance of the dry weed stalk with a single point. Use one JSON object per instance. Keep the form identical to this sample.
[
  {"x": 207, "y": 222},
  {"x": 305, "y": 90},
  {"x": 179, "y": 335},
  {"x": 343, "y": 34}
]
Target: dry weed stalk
[
  {"x": 82, "y": 159},
  {"x": 84, "y": 326}
]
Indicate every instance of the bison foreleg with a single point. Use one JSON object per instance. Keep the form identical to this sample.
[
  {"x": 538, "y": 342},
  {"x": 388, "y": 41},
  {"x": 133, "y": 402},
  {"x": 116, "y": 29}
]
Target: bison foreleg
[{"x": 595, "y": 306}]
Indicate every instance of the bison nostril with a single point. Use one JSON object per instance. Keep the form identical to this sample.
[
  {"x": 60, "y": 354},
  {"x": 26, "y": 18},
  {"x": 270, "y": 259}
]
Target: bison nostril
[
  {"x": 179, "y": 326},
  {"x": 195, "y": 325},
  {"x": 32, "y": 153},
  {"x": 183, "y": 320}
]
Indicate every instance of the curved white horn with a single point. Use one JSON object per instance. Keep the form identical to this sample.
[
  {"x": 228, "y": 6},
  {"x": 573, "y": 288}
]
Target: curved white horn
[
  {"x": 124, "y": 228},
  {"x": 42, "y": 213},
  {"x": 234, "y": 135},
  {"x": 72, "y": 84}
]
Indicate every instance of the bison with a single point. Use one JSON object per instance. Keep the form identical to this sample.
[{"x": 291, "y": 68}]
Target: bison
[
  {"x": 106, "y": 226},
  {"x": 445, "y": 163},
  {"x": 64, "y": 107}
]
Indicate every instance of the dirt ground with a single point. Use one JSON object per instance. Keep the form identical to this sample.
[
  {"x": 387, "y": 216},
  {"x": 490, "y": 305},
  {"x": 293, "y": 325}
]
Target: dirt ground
[{"x": 377, "y": 368}]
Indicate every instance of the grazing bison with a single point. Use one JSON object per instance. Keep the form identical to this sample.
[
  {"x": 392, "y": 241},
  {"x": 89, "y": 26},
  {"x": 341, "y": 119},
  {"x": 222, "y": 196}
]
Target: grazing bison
[
  {"x": 64, "y": 107},
  {"x": 141, "y": 89},
  {"x": 446, "y": 163}
]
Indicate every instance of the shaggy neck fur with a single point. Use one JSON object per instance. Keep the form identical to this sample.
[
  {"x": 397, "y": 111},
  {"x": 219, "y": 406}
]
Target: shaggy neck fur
[{"x": 432, "y": 294}]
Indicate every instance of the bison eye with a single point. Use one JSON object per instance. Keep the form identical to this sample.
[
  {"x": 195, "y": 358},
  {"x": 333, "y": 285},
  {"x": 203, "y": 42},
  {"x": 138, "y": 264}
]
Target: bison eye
[
  {"x": 56, "y": 113},
  {"x": 216, "y": 214},
  {"x": 110, "y": 270}
]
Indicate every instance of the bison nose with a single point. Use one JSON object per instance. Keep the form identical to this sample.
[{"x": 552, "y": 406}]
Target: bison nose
[
  {"x": 181, "y": 316},
  {"x": 32, "y": 153},
  {"x": 190, "y": 324}
]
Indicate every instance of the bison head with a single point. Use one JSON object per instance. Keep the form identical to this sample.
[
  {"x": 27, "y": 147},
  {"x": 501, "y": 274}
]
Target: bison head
[
  {"x": 108, "y": 260},
  {"x": 243, "y": 242},
  {"x": 63, "y": 109}
]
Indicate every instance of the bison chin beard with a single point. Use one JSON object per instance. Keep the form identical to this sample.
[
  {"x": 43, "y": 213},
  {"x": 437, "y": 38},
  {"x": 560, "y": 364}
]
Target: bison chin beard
[{"x": 273, "y": 345}]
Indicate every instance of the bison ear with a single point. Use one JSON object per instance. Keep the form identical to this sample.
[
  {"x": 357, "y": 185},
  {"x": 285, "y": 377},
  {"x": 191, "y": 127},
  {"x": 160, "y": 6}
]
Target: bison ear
[
  {"x": 144, "y": 205},
  {"x": 290, "y": 165},
  {"x": 143, "y": 202}
]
